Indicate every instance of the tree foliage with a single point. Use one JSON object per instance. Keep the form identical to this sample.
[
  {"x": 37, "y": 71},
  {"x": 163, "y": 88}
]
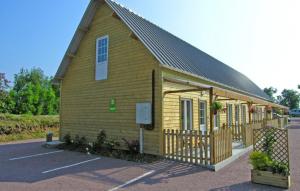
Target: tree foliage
[
  {"x": 32, "y": 93},
  {"x": 270, "y": 92},
  {"x": 4, "y": 95},
  {"x": 290, "y": 98}
]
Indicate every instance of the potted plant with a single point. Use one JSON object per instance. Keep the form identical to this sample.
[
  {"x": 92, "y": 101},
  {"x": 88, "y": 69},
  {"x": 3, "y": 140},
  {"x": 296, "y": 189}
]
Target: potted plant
[
  {"x": 268, "y": 171},
  {"x": 216, "y": 106},
  {"x": 252, "y": 109},
  {"x": 269, "y": 109}
]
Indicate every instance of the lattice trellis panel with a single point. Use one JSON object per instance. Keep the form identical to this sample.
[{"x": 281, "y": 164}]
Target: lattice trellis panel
[{"x": 279, "y": 137}]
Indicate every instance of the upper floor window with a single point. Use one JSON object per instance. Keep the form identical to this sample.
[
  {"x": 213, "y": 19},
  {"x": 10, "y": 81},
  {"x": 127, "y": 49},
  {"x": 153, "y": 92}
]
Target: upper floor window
[{"x": 101, "y": 58}]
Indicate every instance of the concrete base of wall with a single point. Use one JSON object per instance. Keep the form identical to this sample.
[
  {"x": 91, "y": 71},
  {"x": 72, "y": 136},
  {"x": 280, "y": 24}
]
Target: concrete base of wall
[{"x": 237, "y": 152}]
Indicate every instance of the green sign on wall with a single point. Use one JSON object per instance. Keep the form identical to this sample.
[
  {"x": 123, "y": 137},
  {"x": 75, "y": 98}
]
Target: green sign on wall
[{"x": 112, "y": 105}]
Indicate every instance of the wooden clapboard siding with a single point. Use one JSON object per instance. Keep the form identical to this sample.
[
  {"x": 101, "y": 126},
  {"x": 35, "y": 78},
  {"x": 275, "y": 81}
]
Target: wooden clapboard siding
[
  {"x": 85, "y": 102},
  {"x": 171, "y": 106}
]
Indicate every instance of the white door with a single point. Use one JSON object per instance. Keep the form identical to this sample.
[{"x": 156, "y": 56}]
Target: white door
[
  {"x": 202, "y": 116},
  {"x": 186, "y": 114}
]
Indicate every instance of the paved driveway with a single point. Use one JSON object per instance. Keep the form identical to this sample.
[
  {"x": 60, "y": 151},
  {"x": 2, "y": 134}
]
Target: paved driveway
[{"x": 28, "y": 166}]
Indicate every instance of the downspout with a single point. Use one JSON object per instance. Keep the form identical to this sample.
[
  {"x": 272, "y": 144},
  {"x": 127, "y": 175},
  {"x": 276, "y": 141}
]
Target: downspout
[{"x": 153, "y": 99}]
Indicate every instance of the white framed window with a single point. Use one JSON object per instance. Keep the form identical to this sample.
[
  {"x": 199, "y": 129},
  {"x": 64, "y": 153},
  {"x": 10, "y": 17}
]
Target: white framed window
[
  {"x": 186, "y": 114},
  {"x": 202, "y": 115},
  {"x": 101, "y": 70},
  {"x": 244, "y": 113},
  {"x": 237, "y": 115},
  {"x": 229, "y": 115},
  {"x": 217, "y": 121}
]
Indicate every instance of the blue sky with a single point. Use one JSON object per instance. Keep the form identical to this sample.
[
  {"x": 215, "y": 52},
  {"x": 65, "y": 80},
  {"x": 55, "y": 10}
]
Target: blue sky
[{"x": 259, "y": 38}]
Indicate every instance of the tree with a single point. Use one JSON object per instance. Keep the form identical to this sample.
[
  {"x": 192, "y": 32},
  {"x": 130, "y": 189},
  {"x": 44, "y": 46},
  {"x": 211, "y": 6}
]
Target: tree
[
  {"x": 290, "y": 98},
  {"x": 270, "y": 92},
  {"x": 34, "y": 94},
  {"x": 4, "y": 95}
]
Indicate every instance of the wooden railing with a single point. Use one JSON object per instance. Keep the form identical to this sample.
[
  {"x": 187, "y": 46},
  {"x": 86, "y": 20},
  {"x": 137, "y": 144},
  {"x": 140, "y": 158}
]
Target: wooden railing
[
  {"x": 187, "y": 146},
  {"x": 247, "y": 134},
  {"x": 221, "y": 144},
  {"x": 236, "y": 130},
  {"x": 197, "y": 147}
]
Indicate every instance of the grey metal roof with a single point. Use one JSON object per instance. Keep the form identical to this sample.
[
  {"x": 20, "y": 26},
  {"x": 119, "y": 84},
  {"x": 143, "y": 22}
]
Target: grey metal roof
[
  {"x": 176, "y": 53},
  {"x": 170, "y": 51}
]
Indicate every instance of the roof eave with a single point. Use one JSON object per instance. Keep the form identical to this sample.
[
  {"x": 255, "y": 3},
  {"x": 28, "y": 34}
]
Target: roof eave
[{"x": 220, "y": 84}]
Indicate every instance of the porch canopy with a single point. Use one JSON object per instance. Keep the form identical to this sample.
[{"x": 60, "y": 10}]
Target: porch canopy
[
  {"x": 218, "y": 91},
  {"x": 215, "y": 92}
]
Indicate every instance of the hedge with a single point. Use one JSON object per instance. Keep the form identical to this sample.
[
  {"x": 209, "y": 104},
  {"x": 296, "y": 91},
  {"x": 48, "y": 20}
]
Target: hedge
[{"x": 15, "y": 124}]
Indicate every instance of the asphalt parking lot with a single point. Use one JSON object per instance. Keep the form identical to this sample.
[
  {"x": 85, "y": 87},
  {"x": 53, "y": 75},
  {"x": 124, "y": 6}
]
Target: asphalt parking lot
[{"x": 28, "y": 166}]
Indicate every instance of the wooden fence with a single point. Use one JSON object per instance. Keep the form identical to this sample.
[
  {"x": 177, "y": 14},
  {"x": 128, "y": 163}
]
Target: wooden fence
[
  {"x": 236, "y": 130},
  {"x": 197, "y": 147},
  {"x": 272, "y": 122},
  {"x": 221, "y": 143},
  {"x": 247, "y": 134},
  {"x": 187, "y": 146}
]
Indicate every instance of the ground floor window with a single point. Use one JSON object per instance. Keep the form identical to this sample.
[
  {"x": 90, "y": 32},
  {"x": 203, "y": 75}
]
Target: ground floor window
[
  {"x": 202, "y": 115},
  {"x": 217, "y": 122},
  {"x": 237, "y": 115},
  {"x": 229, "y": 115},
  {"x": 186, "y": 114},
  {"x": 244, "y": 113}
]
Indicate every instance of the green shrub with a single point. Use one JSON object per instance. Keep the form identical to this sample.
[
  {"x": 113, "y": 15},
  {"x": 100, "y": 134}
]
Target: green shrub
[
  {"x": 15, "y": 124},
  {"x": 133, "y": 146},
  {"x": 103, "y": 144},
  {"x": 260, "y": 161},
  {"x": 67, "y": 139},
  {"x": 280, "y": 168},
  {"x": 269, "y": 142}
]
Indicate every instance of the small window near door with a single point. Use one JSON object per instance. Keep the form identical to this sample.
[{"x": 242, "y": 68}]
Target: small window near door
[
  {"x": 202, "y": 115},
  {"x": 186, "y": 114}
]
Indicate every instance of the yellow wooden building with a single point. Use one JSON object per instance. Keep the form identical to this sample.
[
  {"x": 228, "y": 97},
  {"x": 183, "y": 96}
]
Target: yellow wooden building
[{"x": 117, "y": 60}]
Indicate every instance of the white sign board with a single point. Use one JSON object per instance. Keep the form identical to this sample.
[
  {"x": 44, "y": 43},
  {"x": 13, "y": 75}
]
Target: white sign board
[{"x": 143, "y": 113}]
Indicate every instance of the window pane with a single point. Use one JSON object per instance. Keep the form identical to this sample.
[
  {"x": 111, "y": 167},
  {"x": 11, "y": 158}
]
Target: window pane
[
  {"x": 182, "y": 115},
  {"x": 188, "y": 105}
]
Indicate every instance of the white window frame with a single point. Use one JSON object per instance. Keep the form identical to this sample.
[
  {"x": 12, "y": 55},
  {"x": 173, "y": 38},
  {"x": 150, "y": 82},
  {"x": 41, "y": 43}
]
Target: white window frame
[
  {"x": 229, "y": 115},
  {"x": 101, "y": 66},
  {"x": 203, "y": 126},
  {"x": 184, "y": 124},
  {"x": 244, "y": 112},
  {"x": 237, "y": 114}
]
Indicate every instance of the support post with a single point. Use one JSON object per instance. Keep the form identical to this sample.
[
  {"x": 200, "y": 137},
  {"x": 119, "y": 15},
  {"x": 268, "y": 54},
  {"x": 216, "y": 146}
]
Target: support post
[
  {"x": 141, "y": 139},
  {"x": 211, "y": 114}
]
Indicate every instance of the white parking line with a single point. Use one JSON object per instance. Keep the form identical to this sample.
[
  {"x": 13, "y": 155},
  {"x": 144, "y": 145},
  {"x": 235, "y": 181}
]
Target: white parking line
[
  {"x": 35, "y": 155},
  {"x": 68, "y": 166},
  {"x": 132, "y": 180}
]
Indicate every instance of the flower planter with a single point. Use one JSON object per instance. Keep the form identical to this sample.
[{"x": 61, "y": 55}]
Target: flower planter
[{"x": 268, "y": 178}]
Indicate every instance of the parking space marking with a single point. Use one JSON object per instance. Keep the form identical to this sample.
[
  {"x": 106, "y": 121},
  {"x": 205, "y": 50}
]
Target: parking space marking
[
  {"x": 132, "y": 181},
  {"x": 71, "y": 165},
  {"x": 35, "y": 155}
]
